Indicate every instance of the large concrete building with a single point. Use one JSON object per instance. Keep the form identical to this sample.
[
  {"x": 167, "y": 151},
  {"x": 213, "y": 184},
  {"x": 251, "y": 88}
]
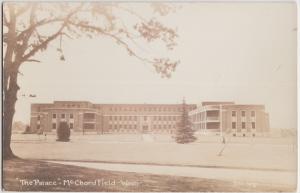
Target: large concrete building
[
  {"x": 83, "y": 116},
  {"x": 217, "y": 118},
  {"x": 228, "y": 118}
]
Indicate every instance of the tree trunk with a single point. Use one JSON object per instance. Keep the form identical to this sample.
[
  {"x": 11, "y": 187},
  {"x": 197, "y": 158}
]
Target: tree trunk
[
  {"x": 9, "y": 111},
  {"x": 10, "y": 86}
]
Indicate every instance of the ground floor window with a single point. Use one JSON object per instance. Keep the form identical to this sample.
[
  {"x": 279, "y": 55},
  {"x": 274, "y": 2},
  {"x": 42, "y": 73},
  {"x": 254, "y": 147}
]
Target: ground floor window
[
  {"x": 233, "y": 125},
  {"x": 243, "y": 125},
  {"x": 90, "y": 126}
]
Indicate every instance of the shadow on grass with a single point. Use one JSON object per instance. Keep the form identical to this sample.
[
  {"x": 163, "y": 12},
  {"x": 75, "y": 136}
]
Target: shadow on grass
[{"x": 44, "y": 176}]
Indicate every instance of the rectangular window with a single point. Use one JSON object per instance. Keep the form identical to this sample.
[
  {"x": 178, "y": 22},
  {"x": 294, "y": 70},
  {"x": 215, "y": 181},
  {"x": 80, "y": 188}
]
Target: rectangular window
[
  {"x": 233, "y": 125},
  {"x": 89, "y": 115},
  {"x": 253, "y": 125},
  {"x": 243, "y": 113},
  {"x": 110, "y": 118},
  {"x": 252, "y": 113},
  {"x": 233, "y": 113},
  {"x": 116, "y": 118},
  {"x": 38, "y": 117},
  {"x": 71, "y": 125},
  {"x": 53, "y": 125},
  {"x": 243, "y": 125},
  {"x": 145, "y": 118},
  {"x": 54, "y": 116},
  {"x": 71, "y": 116},
  {"x": 62, "y": 116}
]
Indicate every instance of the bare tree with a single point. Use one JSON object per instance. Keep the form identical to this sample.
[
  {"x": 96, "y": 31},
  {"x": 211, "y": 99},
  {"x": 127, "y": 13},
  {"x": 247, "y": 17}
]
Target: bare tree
[{"x": 25, "y": 34}]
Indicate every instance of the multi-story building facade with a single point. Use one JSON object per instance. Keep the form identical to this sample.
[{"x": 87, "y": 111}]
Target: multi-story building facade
[
  {"x": 83, "y": 116},
  {"x": 228, "y": 118}
]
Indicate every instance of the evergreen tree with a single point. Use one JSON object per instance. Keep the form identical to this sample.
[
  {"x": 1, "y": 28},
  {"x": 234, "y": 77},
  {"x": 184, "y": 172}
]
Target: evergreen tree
[
  {"x": 63, "y": 132},
  {"x": 184, "y": 133}
]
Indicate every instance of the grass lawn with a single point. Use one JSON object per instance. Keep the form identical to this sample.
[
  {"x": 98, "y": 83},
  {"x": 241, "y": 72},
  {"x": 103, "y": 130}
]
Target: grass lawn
[
  {"x": 31, "y": 170},
  {"x": 265, "y": 156}
]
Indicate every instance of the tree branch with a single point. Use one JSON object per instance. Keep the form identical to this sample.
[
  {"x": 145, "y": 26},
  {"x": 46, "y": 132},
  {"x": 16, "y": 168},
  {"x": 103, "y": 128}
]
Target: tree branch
[
  {"x": 38, "y": 24},
  {"x": 116, "y": 38},
  {"x": 162, "y": 65},
  {"x": 52, "y": 37},
  {"x": 43, "y": 44},
  {"x": 32, "y": 60}
]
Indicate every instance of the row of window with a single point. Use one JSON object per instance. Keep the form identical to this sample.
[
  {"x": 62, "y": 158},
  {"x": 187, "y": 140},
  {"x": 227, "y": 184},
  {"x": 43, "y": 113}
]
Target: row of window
[
  {"x": 135, "y": 126},
  {"x": 145, "y": 118},
  {"x": 123, "y": 126},
  {"x": 135, "y": 131},
  {"x": 116, "y": 109},
  {"x": 54, "y": 125},
  {"x": 71, "y": 105},
  {"x": 150, "y": 109},
  {"x": 233, "y": 125},
  {"x": 243, "y": 113},
  {"x": 63, "y": 116}
]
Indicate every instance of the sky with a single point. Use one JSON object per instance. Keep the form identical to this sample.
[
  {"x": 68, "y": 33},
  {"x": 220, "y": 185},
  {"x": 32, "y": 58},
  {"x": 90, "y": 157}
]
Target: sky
[{"x": 241, "y": 52}]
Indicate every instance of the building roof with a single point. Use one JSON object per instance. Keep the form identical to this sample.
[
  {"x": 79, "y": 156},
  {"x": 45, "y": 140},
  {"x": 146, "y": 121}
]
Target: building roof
[{"x": 216, "y": 103}]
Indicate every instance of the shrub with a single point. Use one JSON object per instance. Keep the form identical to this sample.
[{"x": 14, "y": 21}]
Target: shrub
[{"x": 63, "y": 132}]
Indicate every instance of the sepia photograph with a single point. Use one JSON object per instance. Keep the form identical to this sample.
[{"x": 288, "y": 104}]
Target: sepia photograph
[{"x": 149, "y": 96}]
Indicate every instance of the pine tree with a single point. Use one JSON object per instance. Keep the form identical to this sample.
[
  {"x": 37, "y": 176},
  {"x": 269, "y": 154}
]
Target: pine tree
[{"x": 184, "y": 133}]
